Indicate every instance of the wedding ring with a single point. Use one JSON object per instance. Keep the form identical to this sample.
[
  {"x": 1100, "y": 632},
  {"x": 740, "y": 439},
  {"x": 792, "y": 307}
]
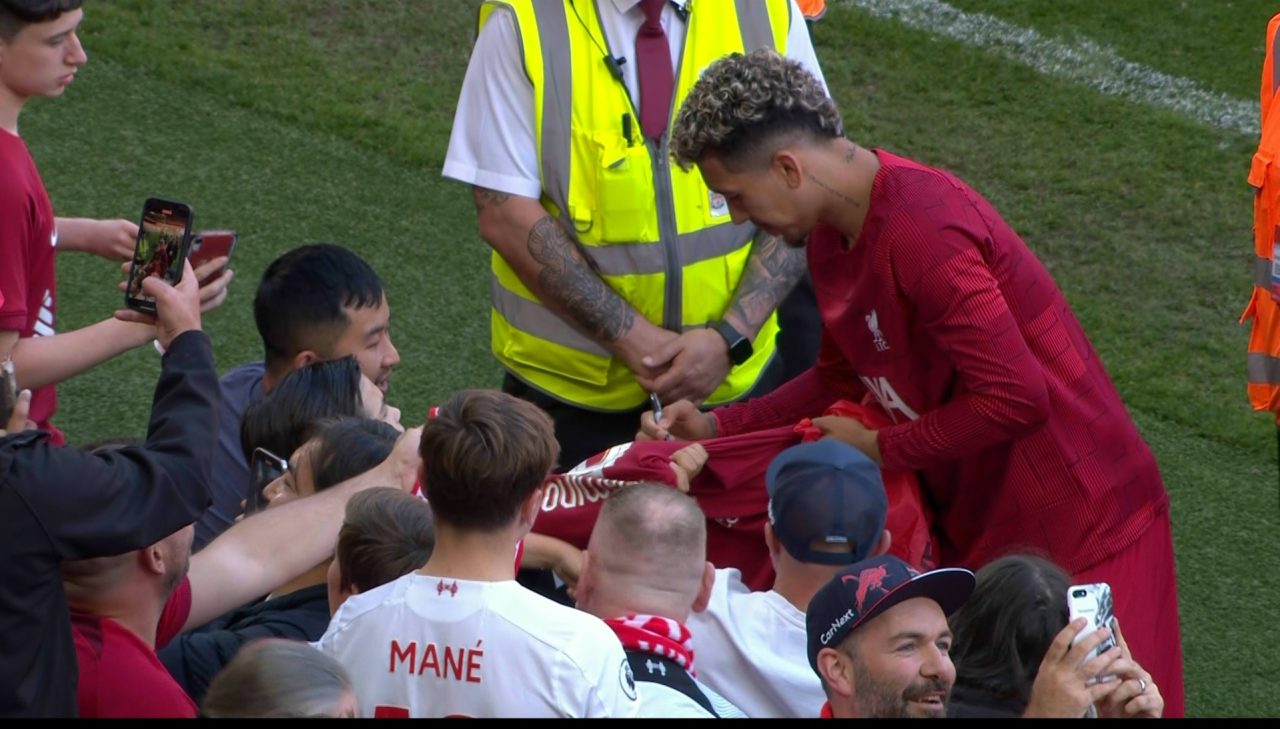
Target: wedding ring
[{"x": 1142, "y": 686}]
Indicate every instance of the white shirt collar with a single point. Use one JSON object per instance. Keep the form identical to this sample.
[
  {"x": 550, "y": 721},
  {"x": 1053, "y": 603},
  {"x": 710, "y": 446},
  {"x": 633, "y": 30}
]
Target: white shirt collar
[{"x": 624, "y": 6}]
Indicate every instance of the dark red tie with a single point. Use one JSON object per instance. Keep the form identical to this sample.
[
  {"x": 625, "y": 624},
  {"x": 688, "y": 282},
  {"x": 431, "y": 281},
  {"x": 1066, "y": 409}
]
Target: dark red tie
[{"x": 657, "y": 80}]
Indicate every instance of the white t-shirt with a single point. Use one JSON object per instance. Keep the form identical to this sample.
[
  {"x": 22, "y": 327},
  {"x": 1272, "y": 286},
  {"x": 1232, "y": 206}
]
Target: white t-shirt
[
  {"x": 658, "y": 701},
  {"x": 430, "y": 647},
  {"x": 492, "y": 143},
  {"x": 752, "y": 648}
]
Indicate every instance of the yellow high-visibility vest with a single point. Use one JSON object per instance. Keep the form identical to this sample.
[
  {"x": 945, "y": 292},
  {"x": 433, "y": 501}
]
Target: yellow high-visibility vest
[
  {"x": 1263, "y": 364},
  {"x": 655, "y": 233}
]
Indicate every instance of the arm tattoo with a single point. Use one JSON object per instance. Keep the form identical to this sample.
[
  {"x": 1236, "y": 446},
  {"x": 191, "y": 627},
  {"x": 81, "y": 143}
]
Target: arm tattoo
[
  {"x": 567, "y": 280},
  {"x": 486, "y": 198},
  {"x": 772, "y": 270},
  {"x": 833, "y": 191}
]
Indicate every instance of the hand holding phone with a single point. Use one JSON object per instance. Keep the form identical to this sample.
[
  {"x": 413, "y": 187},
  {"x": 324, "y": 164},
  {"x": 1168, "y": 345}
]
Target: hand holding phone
[
  {"x": 160, "y": 250},
  {"x": 1092, "y": 602}
]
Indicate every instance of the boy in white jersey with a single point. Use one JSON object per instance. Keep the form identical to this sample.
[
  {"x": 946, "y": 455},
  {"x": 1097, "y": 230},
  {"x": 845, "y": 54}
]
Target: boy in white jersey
[{"x": 460, "y": 637}]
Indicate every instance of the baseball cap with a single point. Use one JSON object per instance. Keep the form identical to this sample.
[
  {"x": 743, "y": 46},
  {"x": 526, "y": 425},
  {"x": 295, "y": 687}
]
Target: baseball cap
[
  {"x": 829, "y": 492},
  {"x": 863, "y": 590}
]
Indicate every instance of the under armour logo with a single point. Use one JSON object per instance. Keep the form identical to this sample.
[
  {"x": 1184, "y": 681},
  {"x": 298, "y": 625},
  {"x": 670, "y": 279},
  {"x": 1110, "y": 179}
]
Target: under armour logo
[
  {"x": 873, "y": 324},
  {"x": 650, "y": 665},
  {"x": 451, "y": 588}
]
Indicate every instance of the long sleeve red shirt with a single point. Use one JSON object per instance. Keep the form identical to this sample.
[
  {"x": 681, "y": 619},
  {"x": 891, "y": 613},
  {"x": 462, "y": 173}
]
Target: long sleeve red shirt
[{"x": 943, "y": 314}]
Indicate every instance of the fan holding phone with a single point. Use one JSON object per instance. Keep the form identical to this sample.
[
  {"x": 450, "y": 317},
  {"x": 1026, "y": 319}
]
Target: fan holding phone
[
  {"x": 1030, "y": 643},
  {"x": 160, "y": 250}
]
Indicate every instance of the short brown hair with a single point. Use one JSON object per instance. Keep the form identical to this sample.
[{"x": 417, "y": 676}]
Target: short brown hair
[
  {"x": 385, "y": 535},
  {"x": 483, "y": 454}
]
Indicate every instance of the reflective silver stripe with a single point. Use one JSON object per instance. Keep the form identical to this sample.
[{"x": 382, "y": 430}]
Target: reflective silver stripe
[
  {"x": 642, "y": 258},
  {"x": 536, "y": 319},
  {"x": 753, "y": 22},
  {"x": 1263, "y": 369},
  {"x": 1262, "y": 267},
  {"x": 557, "y": 103},
  {"x": 673, "y": 303}
]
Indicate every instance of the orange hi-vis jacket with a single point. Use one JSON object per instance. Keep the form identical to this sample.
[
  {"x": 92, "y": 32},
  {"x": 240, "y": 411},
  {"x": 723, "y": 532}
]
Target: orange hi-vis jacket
[
  {"x": 812, "y": 9},
  {"x": 1264, "y": 307}
]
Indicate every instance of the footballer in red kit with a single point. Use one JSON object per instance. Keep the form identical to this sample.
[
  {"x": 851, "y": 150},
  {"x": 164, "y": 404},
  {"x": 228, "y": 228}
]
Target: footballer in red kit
[{"x": 933, "y": 306}]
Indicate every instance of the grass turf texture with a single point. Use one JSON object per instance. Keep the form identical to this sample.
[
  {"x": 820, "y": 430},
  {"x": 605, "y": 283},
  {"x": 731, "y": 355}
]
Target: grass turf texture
[{"x": 297, "y": 121}]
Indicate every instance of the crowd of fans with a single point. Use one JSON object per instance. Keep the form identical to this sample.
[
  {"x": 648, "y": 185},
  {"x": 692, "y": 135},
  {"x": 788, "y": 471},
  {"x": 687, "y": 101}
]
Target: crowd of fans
[{"x": 281, "y": 545}]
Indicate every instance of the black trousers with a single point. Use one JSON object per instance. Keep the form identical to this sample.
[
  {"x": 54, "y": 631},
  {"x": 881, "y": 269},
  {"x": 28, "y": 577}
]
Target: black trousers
[
  {"x": 583, "y": 433},
  {"x": 801, "y": 329}
]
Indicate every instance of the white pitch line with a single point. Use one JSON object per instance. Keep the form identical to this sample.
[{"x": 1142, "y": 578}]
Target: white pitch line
[{"x": 1084, "y": 62}]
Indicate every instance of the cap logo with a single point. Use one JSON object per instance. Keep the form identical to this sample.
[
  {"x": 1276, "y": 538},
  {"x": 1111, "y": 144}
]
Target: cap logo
[
  {"x": 836, "y": 626},
  {"x": 868, "y": 579}
]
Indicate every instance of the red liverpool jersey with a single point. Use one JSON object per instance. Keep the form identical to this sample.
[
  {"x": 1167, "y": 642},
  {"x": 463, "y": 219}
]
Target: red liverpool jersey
[
  {"x": 941, "y": 313},
  {"x": 730, "y": 489}
]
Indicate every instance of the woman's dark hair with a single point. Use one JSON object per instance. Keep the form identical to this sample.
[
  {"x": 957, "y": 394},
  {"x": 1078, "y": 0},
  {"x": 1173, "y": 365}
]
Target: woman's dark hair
[
  {"x": 285, "y": 418},
  {"x": 347, "y": 447},
  {"x": 1002, "y": 633}
]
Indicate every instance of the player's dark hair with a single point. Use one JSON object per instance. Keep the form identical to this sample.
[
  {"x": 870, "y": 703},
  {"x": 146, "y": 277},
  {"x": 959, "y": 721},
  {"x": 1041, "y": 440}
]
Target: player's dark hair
[
  {"x": 18, "y": 14},
  {"x": 286, "y": 417},
  {"x": 301, "y": 300},
  {"x": 482, "y": 455},
  {"x": 1002, "y": 633}
]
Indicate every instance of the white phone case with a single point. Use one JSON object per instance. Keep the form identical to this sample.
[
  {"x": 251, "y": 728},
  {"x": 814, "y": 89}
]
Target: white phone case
[{"x": 1092, "y": 601}]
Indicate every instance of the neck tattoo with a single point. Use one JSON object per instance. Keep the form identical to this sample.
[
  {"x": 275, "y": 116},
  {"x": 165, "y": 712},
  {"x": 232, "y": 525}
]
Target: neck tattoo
[{"x": 832, "y": 190}]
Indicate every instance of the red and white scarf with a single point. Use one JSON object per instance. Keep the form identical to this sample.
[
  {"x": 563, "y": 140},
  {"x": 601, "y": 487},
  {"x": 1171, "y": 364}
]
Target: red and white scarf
[{"x": 660, "y": 636}]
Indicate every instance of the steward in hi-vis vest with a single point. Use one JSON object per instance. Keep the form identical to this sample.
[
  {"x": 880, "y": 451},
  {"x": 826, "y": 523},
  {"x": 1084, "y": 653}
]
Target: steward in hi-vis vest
[{"x": 653, "y": 232}]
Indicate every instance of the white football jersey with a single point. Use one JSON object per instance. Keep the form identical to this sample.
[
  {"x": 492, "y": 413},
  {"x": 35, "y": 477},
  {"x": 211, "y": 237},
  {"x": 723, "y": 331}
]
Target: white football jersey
[
  {"x": 425, "y": 646},
  {"x": 751, "y": 647}
]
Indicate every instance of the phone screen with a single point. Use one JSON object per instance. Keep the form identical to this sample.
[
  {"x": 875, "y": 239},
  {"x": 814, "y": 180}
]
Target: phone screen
[{"x": 160, "y": 249}]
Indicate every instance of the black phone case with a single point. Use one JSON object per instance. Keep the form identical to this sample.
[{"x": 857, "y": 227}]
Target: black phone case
[{"x": 143, "y": 305}]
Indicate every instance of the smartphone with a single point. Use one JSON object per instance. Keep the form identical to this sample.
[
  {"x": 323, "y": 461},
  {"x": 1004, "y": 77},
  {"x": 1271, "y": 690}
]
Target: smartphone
[
  {"x": 1092, "y": 601},
  {"x": 8, "y": 391},
  {"x": 264, "y": 468},
  {"x": 160, "y": 250},
  {"x": 207, "y": 245}
]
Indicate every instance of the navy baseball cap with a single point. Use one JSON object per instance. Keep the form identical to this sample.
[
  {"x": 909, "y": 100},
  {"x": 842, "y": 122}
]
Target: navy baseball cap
[
  {"x": 862, "y": 591},
  {"x": 828, "y": 492}
]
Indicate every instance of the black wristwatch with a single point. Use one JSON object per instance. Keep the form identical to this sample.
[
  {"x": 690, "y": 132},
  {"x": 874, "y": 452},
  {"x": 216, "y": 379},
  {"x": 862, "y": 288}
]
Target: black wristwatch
[{"x": 739, "y": 344}]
